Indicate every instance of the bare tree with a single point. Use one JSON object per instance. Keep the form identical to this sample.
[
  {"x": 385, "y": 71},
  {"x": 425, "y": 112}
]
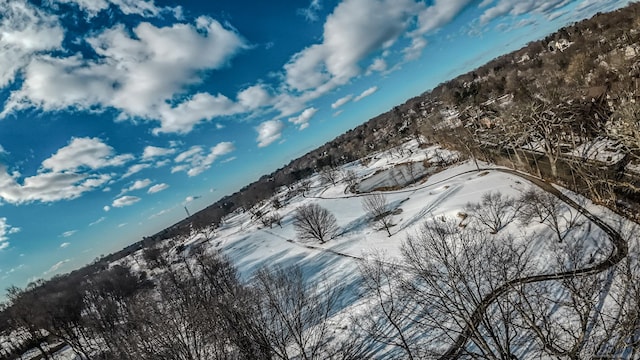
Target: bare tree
[
  {"x": 313, "y": 222},
  {"x": 568, "y": 318},
  {"x": 547, "y": 125},
  {"x": 389, "y": 311},
  {"x": 624, "y": 126},
  {"x": 329, "y": 175},
  {"x": 351, "y": 178},
  {"x": 296, "y": 313},
  {"x": 494, "y": 211},
  {"x": 453, "y": 271},
  {"x": 377, "y": 207},
  {"x": 549, "y": 210}
]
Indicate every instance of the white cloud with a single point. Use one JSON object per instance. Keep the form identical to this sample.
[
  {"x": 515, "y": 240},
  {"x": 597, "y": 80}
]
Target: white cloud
[
  {"x": 25, "y": 30},
  {"x": 194, "y": 150},
  {"x": 157, "y": 188},
  {"x": 254, "y": 97},
  {"x": 343, "y": 100},
  {"x": 47, "y": 186},
  {"x": 135, "y": 73},
  {"x": 106, "y": 208},
  {"x": 2, "y": 150},
  {"x": 65, "y": 245},
  {"x": 520, "y": 7},
  {"x": 56, "y": 266},
  {"x": 137, "y": 7},
  {"x": 302, "y": 120},
  {"x": 139, "y": 184},
  {"x": 65, "y": 175},
  {"x": 366, "y": 93},
  {"x": 268, "y": 132},
  {"x": 159, "y": 213},
  {"x": 5, "y": 231},
  {"x": 438, "y": 14},
  {"x": 134, "y": 169},
  {"x": 414, "y": 50},
  {"x": 202, "y": 106},
  {"x": 103, "y": 218},
  {"x": 378, "y": 64},
  {"x": 196, "y": 161},
  {"x": 84, "y": 152},
  {"x": 69, "y": 233},
  {"x": 190, "y": 198},
  {"x": 151, "y": 152},
  {"x": 125, "y": 201},
  {"x": 311, "y": 12},
  {"x": 356, "y": 29}
]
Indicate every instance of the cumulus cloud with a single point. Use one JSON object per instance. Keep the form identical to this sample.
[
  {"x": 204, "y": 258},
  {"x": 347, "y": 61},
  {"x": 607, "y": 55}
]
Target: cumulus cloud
[
  {"x": 126, "y": 200},
  {"x": 378, "y": 65},
  {"x": 5, "y": 231},
  {"x": 302, "y": 120},
  {"x": 151, "y": 152},
  {"x": 157, "y": 188},
  {"x": 65, "y": 245},
  {"x": 140, "y": 184},
  {"x": 137, "y": 185},
  {"x": 356, "y": 29},
  {"x": 26, "y": 30},
  {"x": 48, "y": 186},
  {"x": 343, "y": 100},
  {"x": 202, "y": 106},
  {"x": 137, "y": 7},
  {"x": 254, "y": 97},
  {"x": 268, "y": 132},
  {"x": 91, "y": 153},
  {"x": 136, "y": 74},
  {"x": 67, "y": 174},
  {"x": 366, "y": 93},
  {"x": 195, "y": 160}
]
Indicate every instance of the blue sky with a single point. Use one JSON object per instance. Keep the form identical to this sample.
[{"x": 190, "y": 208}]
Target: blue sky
[{"x": 115, "y": 114}]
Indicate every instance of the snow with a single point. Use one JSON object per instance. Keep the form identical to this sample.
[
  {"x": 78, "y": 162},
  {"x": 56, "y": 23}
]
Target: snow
[
  {"x": 250, "y": 246},
  {"x": 445, "y": 192}
]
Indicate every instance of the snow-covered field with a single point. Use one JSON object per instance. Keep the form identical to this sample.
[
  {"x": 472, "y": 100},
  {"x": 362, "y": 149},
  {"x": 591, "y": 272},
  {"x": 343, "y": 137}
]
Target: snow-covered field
[{"x": 443, "y": 193}]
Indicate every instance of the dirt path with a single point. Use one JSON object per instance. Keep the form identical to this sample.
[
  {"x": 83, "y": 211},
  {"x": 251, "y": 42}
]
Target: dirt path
[{"x": 618, "y": 253}]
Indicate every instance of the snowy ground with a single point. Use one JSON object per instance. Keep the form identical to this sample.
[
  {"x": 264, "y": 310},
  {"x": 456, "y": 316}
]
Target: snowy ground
[{"x": 251, "y": 246}]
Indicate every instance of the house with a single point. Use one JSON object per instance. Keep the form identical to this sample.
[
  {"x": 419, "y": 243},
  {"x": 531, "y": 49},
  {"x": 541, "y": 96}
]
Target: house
[{"x": 559, "y": 45}]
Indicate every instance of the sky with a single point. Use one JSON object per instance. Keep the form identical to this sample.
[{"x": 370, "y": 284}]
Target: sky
[{"x": 116, "y": 115}]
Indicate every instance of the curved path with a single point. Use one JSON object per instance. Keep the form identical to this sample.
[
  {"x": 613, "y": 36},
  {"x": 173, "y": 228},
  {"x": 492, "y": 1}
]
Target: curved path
[{"x": 618, "y": 253}]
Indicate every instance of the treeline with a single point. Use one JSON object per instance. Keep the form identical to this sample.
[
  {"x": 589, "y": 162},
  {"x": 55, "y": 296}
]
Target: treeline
[{"x": 188, "y": 307}]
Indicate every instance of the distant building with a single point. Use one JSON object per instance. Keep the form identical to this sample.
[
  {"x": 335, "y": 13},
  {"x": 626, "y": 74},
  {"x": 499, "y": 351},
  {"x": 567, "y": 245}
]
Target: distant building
[{"x": 559, "y": 45}]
